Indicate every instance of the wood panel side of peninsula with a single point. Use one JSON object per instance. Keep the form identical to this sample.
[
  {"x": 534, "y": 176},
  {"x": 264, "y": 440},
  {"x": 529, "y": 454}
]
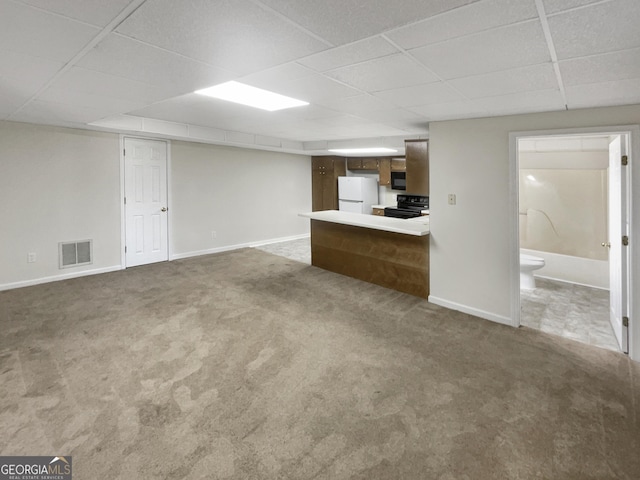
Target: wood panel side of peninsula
[{"x": 392, "y": 260}]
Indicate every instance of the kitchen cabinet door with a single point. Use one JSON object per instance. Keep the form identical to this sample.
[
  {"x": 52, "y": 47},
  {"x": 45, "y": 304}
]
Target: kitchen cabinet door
[
  {"x": 370, "y": 164},
  {"x": 417, "y": 156},
  {"x": 384, "y": 169},
  {"x": 398, "y": 165},
  {"x": 324, "y": 182}
]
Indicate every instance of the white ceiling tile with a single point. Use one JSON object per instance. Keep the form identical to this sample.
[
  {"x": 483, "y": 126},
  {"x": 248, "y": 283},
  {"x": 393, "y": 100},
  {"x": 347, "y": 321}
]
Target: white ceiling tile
[
  {"x": 498, "y": 49},
  {"x": 523, "y": 79},
  {"x": 401, "y": 119},
  {"x": 466, "y": 20},
  {"x": 124, "y": 57},
  {"x": 314, "y": 88},
  {"x": 438, "y": 92},
  {"x": 32, "y": 32},
  {"x": 344, "y": 21},
  {"x": 394, "y": 71},
  {"x": 95, "y": 12},
  {"x": 110, "y": 105},
  {"x": 9, "y": 102},
  {"x": 364, "y": 50},
  {"x": 277, "y": 75},
  {"x": 600, "y": 28},
  {"x": 601, "y": 68},
  {"x": 620, "y": 92},
  {"x": 237, "y": 36},
  {"x": 545, "y": 100},
  {"x": 80, "y": 80},
  {"x": 53, "y": 113},
  {"x": 23, "y": 74},
  {"x": 357, "y": 105},
  {"x": 554, "y": 6}
]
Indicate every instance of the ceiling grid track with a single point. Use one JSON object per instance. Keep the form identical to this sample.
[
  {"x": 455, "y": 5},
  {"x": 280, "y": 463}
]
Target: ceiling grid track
[
  {"x": 115, "y": 23},
  {"x": 552, "y": 49}
]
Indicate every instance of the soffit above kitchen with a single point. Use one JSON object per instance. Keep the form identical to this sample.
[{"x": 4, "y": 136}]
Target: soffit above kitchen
[{"x": 374, "y": 72}]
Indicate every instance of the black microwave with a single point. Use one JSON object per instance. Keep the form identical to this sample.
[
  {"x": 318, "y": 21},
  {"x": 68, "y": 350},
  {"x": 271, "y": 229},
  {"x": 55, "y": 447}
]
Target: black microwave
[{"x": 398, "y": 180}]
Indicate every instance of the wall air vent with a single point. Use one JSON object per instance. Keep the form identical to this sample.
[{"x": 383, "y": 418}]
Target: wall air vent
[{"x": 74, "y": 254}]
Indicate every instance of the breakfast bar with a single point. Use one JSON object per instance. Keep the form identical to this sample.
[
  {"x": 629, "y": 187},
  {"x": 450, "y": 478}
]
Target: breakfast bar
[{"x": 390, "y": 252}]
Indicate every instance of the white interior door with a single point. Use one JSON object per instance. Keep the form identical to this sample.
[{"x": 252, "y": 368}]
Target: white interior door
[
  {"x": 145, "y": 185},
  {"x": 618, "y": 253}
]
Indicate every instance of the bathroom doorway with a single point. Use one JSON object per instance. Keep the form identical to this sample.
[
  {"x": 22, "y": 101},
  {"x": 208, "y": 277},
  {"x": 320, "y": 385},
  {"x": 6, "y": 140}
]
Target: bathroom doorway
[{"x": 564, "y": 232}]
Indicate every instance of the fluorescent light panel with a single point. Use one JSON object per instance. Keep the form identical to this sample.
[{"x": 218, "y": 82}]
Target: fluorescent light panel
[
  {"x": 253, "y": 97},
  {"x": 347, "y": 151}
]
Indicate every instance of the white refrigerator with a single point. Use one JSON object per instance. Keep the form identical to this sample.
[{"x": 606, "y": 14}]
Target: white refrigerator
[{"x": 357, "y": 194}]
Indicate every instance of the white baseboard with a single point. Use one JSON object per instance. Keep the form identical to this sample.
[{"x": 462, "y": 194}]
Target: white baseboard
[
  {"x": 561, "y": 280},
  {"x": 56, "y": 278},
  {"x": 471, "y": 311},
  {"x": 237, "y": 246}
]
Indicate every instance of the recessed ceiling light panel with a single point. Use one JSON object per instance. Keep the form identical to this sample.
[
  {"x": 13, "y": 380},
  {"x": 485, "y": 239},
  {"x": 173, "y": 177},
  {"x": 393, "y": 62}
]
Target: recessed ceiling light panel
[
  {"x": 253, "y": 97},
  {"x": 347, "y": 151}
]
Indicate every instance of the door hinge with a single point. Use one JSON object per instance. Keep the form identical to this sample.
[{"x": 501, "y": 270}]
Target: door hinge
[
  {"x": 625, "y": 321},
  {"x": 125, "y": 249},
  {"x": 124, "y": 152},
  {"x": 625, "y": 240},
  {"x": 625, "y": 160}
]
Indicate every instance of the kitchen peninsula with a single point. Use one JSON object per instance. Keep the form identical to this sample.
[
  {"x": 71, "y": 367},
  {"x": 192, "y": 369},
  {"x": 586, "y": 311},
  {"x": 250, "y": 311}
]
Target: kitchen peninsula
[{"x": 390, "y": 252}]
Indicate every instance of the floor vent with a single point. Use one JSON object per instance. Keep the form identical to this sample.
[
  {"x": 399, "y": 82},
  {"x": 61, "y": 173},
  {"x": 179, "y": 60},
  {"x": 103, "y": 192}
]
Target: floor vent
[{"x": 74, "y": 254}]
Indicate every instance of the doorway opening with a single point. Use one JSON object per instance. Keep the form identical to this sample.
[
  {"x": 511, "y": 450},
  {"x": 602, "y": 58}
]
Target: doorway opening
[{"x": 573, "y": 203}]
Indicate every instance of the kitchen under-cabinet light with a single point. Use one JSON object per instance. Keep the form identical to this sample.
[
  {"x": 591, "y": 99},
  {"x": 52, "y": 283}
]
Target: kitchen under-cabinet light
[
  {"x": 253, "y": 97},
  {"x": 347, "y": 151}
]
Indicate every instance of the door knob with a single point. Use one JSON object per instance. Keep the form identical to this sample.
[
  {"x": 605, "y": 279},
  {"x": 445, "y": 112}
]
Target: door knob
[
  {"x": 608, "y": 244},
  {"x": 164, "y": 209}
]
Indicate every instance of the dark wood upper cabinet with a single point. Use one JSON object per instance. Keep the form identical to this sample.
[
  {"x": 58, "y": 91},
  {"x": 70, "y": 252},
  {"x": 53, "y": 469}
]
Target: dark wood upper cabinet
[
  {"x": 398, "y": 165},
  {"x": 384, "y": 169},
  {"x": 324, "y": 181},
  {"x": 417, "y": 156},
  {"x": 363, "y": 163}
]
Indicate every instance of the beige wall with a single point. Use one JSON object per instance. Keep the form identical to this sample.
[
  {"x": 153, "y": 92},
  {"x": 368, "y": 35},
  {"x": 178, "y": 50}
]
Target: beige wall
[
  {"x": 245, "y": 196},
  {"x": 56, "y": 185},
  {"x": 62, "y": 184},
  {"x": 471, "y": 241}
]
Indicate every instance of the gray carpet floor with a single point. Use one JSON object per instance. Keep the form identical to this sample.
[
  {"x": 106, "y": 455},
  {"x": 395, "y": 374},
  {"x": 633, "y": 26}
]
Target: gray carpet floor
[{"x": 247, "y": 365}]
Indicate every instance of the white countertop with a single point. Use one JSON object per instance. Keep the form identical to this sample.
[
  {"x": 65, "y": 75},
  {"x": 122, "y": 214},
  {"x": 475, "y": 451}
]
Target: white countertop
[{"x": 418, "y": 226}]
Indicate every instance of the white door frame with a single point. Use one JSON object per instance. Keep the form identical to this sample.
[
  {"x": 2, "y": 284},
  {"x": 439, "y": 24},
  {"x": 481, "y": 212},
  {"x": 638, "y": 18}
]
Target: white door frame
[
  {"x": 633, "y": 131},
  {"x": 123, "y": 228}
]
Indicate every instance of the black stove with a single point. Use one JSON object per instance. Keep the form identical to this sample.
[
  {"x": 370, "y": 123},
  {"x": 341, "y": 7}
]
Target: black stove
[{"x": 409, "y": 206}]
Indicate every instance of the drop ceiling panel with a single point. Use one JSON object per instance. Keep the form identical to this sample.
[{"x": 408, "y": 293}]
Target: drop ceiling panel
[
  {"x": 9, "y": 101},
  {"x": 50, "y": 113},
  {"x": 29, "y": 31},
  {"x": 272, "y": 77},
  {"x": 124, "y": 57},
  {"x": 530, "y": 78},
  {"x": 25, "y": 75},
  {"x": 620, "y": 92},
  {"x": 314, "y": 88},
  {"x": 238, "y": 36},
  {"x": 498, "y": 49},
  {"x": 103, "y": 103},
  {"x": 545, "y": 100},
  {"x": 95, "y": 12},
  {"x": 416, "y": 95},
  {"x": 358, "y": 104},
  {"x": 401, "y": 119},
  {"x": 473, "y": 18},
  {"x": 345, "y": 21},
  {"x": 600, "y": 28},
  {"x": 384, "y": 73},
  {"x": 601, "y": 68},
  {"x": 554, "y": 6},
  {"x": 362, "y": 51},
  {"x": 81, "y": 80}
]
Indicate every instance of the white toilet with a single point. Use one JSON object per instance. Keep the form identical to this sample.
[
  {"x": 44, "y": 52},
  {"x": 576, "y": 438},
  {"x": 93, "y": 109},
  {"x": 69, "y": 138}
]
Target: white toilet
[{"x": 529, "y": 263}]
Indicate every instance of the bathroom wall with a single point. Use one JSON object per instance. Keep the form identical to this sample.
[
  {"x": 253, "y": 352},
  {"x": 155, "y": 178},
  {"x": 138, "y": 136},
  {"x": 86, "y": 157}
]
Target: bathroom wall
[{"x": 563, "y": 213}]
